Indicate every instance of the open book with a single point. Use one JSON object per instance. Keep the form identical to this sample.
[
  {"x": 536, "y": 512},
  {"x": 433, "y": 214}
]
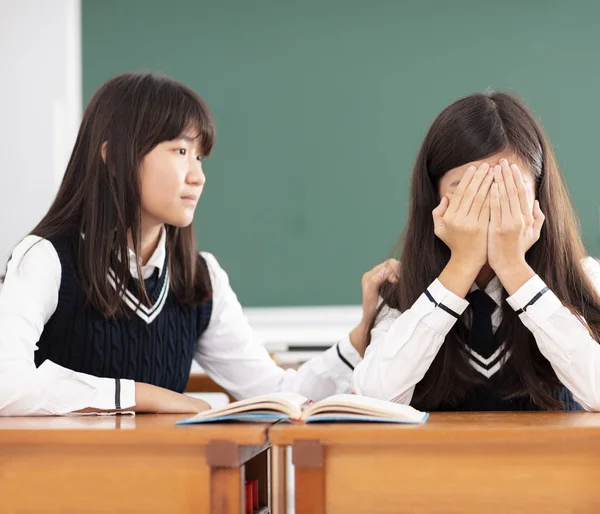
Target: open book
[{"x": 295, "y": 407}]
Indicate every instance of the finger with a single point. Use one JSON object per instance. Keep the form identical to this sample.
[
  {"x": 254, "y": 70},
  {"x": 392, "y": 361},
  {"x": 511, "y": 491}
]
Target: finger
[
  {"x": 538, "y": 219},
  {"x": 524, "y": 196},
  {"x": 482, "y": 194},
  {"x": 502, "y": 194},
  {"x": 460, "y": 189},
  {"x": 395, "y": 271},
  {"x": 393, "y": 267},
  {"x": 495, "y": 209},
  {"x": 376, "y": 271},
  {"x": 511, "y": 189},
  {"x": 439, "y": 211},
  {"x": 484, "y": 214},
  {"x": 471, "y": 191},
  {"x": 384, "y": 270}
]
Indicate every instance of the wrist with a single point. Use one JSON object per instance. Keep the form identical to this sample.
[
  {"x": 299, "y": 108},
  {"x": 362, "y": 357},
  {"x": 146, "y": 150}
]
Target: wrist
[
  {"x": 458, "y": 275},
  {"x": 514, "y": 275},
  {"x": 143, "y": 398},
  {"x": 358, "y": 337},
  {"x": 466, "y": 262}
]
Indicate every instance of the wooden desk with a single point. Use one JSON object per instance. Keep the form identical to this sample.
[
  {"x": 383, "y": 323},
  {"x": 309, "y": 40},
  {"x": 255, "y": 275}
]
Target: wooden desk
[
  {"x": 202, "y": 383},
  {"x": 128, "y": 464},
  {"x": 455, "y": 463}
]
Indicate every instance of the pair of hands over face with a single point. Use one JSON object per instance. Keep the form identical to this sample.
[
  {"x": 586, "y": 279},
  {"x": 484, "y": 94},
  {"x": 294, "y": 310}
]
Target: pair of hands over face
[{"x": 492, "y": 217}]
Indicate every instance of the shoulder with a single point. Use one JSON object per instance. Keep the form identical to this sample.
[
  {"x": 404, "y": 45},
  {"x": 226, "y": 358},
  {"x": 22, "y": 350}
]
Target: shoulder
[
  {"x": 212, "y": 265},
  {"x": 226, "y": 306},
  {"x": 592, "y": 267},
  {"x": 386, "y": 313},
  {"x": 218, "y": 277},
  {"x": 34, "y": 251},
  {"x": 34, "y": 263}
]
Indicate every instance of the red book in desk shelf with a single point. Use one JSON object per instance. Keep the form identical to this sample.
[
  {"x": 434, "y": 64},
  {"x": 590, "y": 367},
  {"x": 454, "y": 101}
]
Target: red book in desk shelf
[
  {"x": 249, "y": 497},
  {"x": 251, "y": 490},
  {"x": 297, "y": 408},
  {"x": 254, "y": 484}
]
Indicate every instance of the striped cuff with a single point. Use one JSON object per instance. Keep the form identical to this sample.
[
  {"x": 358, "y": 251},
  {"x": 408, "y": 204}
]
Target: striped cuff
[
  {"x": 534, "y": 302},
  {"x": 347, "y": 354},
  {"x": 117, "y": 394},
  {"x": 439, "y": 308},
  {"x": 441, "y": 305},
  {"x": 124, "y": 394}
]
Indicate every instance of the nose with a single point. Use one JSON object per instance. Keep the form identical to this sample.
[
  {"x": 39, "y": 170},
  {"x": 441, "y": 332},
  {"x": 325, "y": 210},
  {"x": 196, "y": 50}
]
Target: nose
[{"x": 196, "y": 174}]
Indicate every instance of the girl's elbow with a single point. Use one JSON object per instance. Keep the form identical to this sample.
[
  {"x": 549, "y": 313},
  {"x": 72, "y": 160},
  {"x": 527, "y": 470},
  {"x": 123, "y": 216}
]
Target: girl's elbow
[
  {"x": 368, "y": 383},
  {"x": 362, "y": 386},
  {"x": 589, "y": 404},
  {"x": 20, "y": 396}
]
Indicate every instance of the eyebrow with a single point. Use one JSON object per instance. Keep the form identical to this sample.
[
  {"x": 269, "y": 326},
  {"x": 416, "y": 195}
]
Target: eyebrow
[
  {"x": 191, "y": 140},
  {"x": 454, "y": 184},
  {"x": 188, "y": 138}
]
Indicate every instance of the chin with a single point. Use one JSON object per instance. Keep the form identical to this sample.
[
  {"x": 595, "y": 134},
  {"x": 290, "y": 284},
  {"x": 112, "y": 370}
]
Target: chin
[{"x": 182, "y": 222}]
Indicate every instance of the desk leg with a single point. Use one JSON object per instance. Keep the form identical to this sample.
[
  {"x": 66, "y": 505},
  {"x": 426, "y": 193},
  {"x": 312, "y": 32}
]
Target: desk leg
[
  {"x": 279, "y": 480},
  {"x": 228, "y": 463},
  {"x": 227, "y": 490},
  {"x": 309, "y": 461}
]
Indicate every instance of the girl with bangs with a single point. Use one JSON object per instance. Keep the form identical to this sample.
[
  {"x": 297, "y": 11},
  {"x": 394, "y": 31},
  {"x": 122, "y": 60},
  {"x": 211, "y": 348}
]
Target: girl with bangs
[
  {"x": 496, "y": 306},
  {"x": 107, "y": 302}
]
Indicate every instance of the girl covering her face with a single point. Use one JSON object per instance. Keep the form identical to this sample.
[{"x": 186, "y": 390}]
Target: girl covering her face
[{"x": 496, "y": 306}]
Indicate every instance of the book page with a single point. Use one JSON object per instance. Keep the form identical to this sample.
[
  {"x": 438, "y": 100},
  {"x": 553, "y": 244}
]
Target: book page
[
  {"x": 362, "y": 405},
  {"x": 288, "y": 404}
]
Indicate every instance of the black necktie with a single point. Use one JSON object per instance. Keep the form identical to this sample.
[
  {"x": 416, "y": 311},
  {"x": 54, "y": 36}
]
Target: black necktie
[
  {"x": 482, "y": 331},
  {"x": 150, "y": 282}
]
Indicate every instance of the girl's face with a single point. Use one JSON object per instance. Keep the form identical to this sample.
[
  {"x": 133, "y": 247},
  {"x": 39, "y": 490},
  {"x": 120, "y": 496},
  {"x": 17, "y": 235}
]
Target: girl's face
[
  {"x": 172, "y": 180},
  {"x": 452, "y": 178}
]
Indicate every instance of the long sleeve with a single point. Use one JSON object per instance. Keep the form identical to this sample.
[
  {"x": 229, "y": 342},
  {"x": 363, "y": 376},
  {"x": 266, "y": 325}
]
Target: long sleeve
[
  {"x": 403, "y": 346},
  {"x": 562, "y": 337},
  {"x": 28, "y": 299},
  {"x": 230, "y": 354}
]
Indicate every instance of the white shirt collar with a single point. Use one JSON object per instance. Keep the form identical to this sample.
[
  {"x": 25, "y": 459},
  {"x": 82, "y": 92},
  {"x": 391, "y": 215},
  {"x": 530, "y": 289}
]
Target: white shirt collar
[
  {"x": 493, "y": 289},
  {"x": 156, "y": 260}
]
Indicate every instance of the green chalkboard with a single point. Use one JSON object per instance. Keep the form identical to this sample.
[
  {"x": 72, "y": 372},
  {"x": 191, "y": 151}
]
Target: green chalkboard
[{"x": 321, "y": 106}]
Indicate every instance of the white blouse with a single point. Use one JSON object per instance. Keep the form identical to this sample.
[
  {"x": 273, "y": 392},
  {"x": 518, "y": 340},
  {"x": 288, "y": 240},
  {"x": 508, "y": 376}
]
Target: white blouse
[
  {"x": 403, "y": 345},
  {"x": 227, "y": 350}
]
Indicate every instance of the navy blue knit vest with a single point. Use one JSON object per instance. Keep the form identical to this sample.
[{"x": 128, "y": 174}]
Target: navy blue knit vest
[
  {"x": 486, "y": 396},
  {"x": 153, "y": 344}
]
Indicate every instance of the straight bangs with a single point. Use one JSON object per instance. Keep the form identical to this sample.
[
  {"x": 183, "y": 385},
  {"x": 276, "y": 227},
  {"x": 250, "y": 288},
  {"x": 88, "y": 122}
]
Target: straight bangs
[
  {"x": 128, "y": 116},
  {"x": 176, "y": 111}
]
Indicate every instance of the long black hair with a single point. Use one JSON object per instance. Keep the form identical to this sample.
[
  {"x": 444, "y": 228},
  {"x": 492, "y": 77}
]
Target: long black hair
[
  {"x": 100, "y": 198},
  {"x": 471, "y": 129}
]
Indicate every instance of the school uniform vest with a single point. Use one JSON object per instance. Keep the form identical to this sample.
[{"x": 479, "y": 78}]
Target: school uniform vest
[
  {"x": 492, "y": 360},
  {"x": 153, "y": 343}
]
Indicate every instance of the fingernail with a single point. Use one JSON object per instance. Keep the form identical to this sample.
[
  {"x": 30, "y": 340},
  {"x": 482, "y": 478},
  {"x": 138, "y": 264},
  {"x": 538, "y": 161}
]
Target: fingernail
[
  {"x": 503, "y": 162},
  {"x": 471, "y": 168},
  {"x": 514, "y": 167}
]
